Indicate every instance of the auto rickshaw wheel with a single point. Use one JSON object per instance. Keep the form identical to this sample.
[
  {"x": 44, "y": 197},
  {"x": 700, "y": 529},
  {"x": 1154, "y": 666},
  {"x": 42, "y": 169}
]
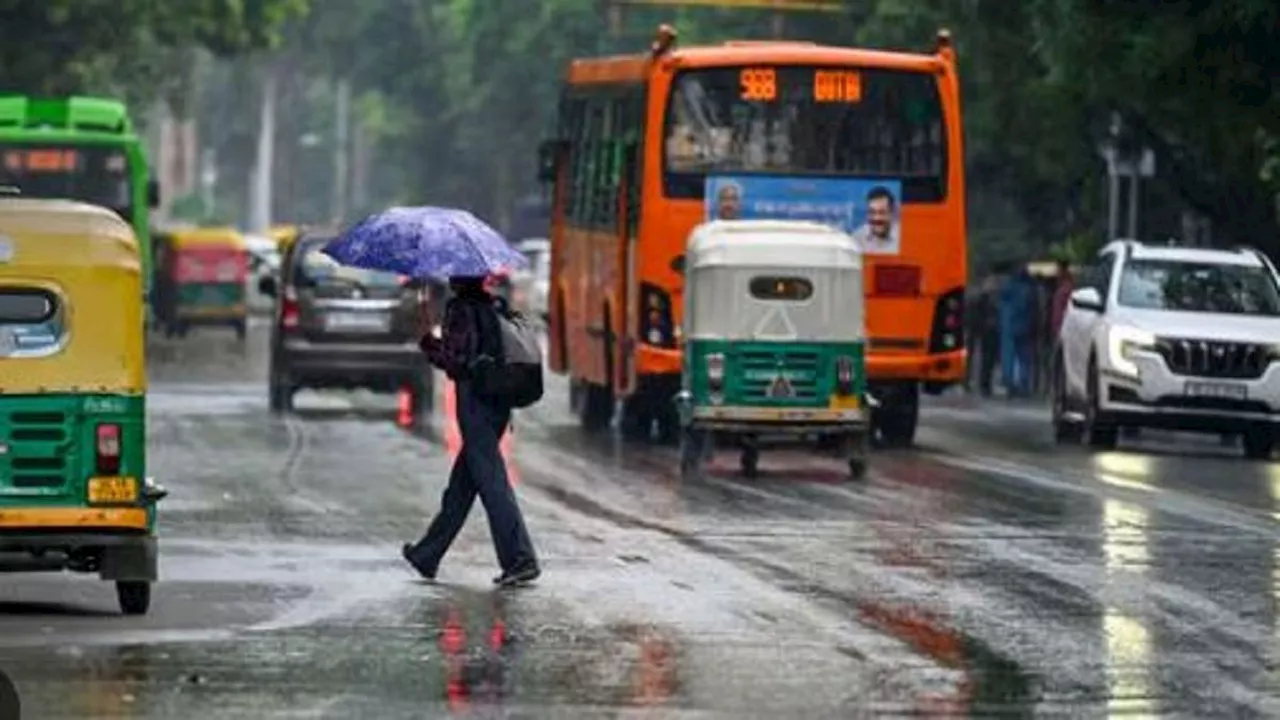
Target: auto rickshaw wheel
[
  {"x": 857, "y": 468},
  {"x": 134, "y": 596},
  {"x": 693, "y": 452},
  {"x": 242, "y": 329}
]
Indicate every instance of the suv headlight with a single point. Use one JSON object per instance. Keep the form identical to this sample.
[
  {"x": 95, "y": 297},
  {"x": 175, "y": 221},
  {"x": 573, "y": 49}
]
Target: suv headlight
[{"x": 1123, "y": 344}]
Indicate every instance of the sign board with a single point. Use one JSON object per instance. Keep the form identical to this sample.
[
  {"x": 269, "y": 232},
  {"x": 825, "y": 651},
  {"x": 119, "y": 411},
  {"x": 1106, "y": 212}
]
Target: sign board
[{"x": 868, "y": 209}]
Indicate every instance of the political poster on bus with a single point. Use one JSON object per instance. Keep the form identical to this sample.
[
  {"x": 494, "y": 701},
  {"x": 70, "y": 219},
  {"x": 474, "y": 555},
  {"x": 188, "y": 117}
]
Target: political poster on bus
[{"x": 867, "y": 209}]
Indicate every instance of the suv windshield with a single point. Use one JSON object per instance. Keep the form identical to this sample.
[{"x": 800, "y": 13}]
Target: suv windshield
[
  {"x": 314, "y": 267},
  {"x": 1199, "y": 287}
]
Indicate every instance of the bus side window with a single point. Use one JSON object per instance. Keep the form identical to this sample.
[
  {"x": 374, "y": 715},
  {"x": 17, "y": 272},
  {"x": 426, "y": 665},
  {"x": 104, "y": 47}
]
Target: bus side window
[
  {"x": 586, "y": 163},
  {"x": 633, "y": 154},
  {"x": 568, "y": 130}
]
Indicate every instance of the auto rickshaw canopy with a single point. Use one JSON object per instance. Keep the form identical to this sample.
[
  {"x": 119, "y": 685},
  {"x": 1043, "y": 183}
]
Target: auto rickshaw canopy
[
  {"x": 71, "y": 300},
  {"x": 772, "y": 279},
  {"x": 206, "y": 238}
]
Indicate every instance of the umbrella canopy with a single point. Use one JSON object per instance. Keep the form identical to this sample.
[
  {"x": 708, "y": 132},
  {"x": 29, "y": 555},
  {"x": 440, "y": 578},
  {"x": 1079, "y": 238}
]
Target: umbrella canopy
[{"x": 425, "y": 242}]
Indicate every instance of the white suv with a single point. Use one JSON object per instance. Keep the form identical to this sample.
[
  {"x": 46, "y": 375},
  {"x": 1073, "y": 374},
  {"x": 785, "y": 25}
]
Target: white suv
[{"x": 1171, "y": 337}]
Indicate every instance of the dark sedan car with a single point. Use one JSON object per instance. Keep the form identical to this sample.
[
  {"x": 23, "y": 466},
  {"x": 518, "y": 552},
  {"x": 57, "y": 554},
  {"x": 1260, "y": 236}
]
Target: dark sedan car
[{"x": 344, "y": 328}]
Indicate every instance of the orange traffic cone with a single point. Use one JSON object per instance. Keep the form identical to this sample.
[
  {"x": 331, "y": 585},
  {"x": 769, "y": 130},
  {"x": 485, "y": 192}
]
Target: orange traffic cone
[{"x": 404, "y": 401}]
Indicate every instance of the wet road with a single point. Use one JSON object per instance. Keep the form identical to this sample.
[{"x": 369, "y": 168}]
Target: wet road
[{"x": 986, "y": 573}]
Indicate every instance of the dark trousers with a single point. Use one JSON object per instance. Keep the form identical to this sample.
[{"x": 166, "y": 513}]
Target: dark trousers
[
  {"x": 988, "y": 360},
  {"x": 478, "y": 470}
]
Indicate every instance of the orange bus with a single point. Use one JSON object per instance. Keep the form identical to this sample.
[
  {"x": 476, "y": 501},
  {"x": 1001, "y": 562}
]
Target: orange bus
[{"x": 640, "y": 138}]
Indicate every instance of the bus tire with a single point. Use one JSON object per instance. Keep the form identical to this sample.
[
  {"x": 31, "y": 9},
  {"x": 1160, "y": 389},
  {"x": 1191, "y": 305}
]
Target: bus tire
[
  {"x": 898, "y": 417},
  {"x": 596, "y": 412}
]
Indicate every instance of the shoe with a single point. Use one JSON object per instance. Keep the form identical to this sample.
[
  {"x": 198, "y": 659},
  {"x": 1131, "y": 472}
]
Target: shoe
[
  {"x": 407, "y": 552},
  {"x": 521, "y": 575}
]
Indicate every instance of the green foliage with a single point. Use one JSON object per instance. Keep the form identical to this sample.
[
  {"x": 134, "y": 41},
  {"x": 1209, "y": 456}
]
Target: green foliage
[{"x": 65, "y": 46}]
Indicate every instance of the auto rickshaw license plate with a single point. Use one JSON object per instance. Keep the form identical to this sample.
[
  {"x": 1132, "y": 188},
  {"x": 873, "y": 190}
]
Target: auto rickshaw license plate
[
  {"x": 844, "y": 402},
  {"x": 113, "y": 489}
]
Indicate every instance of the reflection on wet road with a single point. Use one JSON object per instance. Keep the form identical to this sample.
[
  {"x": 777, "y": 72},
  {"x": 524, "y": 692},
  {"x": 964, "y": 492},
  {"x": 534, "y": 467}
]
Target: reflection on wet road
[{"x": 987, "y": 572}]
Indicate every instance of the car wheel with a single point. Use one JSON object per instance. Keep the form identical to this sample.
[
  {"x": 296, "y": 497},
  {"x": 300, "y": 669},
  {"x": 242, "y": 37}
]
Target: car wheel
[
  {"x": 1258, "y": 443},
  {"x": 1099, "y": 432},
  {"x": 1064, "y": 431}
]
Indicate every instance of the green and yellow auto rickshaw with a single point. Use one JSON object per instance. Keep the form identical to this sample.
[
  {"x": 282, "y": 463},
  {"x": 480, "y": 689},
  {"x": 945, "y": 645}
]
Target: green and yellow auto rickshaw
[
  {"x": 201, "y": 280},
  {"x": 773, "y": 341},
  {"x": 74, "y": 493}
]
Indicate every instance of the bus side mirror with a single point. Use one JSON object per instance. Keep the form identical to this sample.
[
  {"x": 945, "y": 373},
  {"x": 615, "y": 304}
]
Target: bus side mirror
[
  {"x": 153, "y": 194},
  {"x": 548, "y": 157}
]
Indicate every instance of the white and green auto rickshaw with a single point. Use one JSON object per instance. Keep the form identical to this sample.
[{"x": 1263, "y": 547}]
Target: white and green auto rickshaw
[{"x": 774, "y": 341}]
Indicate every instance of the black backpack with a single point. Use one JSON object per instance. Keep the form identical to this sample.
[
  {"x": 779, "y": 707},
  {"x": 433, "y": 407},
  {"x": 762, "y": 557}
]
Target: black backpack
[{"x": 509, "y": 368}]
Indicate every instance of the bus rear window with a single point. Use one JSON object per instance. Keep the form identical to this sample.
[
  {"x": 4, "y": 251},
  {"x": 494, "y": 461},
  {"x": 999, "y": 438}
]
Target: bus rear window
[
  {"x": 773, "y": 287},
  {"x": 26, "y": 307},
  {"x": 816, "y": 121}
]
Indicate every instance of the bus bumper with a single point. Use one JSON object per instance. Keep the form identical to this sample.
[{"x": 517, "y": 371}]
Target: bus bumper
[{"x": 941, "y": 368}]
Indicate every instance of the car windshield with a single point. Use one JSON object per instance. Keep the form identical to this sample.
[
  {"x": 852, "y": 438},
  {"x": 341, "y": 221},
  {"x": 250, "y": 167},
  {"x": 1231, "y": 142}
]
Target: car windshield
[
  {"x": 1199, "y": 287},
  {"x": 316, "y": 267}
]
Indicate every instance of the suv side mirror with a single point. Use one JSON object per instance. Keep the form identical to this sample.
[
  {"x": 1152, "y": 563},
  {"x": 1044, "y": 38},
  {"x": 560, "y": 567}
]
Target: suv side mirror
[
  {"x": 153, "y": 194},
  {"x": 267, "y": 286},
  {"x": 1087, "y": 298}
]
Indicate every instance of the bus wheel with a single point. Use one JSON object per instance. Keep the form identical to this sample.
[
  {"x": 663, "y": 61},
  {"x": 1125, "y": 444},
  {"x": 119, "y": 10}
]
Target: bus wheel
[
  {"x": 897, "y": 417},
  {"x": 636, "y": 422},
  {"x": 595, "y": 411}
]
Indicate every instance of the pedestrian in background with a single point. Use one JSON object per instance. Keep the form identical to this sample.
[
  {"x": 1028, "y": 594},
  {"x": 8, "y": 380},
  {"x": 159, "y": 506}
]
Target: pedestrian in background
[
  {"x": 479, "y": 468},
  {"x": 989, "y": 339},
  {"x": 1016, "y": 300}
]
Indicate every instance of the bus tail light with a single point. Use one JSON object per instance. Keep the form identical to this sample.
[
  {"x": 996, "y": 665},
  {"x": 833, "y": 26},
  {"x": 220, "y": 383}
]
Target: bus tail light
[
  {"x": 107, "y": 450},
  {"x": 844, "y": 375},
  {"x": 715, "y": 371},
  {"x": 948, "y": 323},
  {"x": 289, "y": 312},
  {"x": 902, "y": 280},
  {"x": 657, "y": 325}
]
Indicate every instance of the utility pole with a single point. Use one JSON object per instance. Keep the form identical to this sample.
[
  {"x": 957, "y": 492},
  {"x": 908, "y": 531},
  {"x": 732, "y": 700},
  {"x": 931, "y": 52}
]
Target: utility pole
[
  {"x": 341, "y": 146},
  {"x": 260, "y": 201}
]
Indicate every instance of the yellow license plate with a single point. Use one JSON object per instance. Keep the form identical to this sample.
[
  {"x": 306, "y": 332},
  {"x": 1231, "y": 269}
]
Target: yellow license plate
[
  {"x": 844, "y": 402},
  {"x": 113, "y": 490}
]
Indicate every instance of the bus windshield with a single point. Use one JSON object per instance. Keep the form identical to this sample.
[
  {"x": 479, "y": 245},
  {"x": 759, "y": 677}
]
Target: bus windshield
[
  {"x": 88, "y": 173},
  {"x": 798, "y": 120}
]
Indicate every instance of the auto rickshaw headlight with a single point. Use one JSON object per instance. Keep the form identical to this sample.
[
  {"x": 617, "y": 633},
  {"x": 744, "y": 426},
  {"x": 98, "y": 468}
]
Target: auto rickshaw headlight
[{"x": 715, "y": 371}]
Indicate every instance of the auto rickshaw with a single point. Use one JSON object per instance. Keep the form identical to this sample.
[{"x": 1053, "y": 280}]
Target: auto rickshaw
[
  {"x": 74, "y": 494},
  {"x": 773, "y": 342},
  {"x": 201, "y": 279}
]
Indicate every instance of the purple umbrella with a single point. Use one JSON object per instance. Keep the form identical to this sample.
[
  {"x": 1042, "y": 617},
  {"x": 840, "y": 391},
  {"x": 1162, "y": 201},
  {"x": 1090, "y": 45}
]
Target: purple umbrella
[{"x": 425, "y": 242}]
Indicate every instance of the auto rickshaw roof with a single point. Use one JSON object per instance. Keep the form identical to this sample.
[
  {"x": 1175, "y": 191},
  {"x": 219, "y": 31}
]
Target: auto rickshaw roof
[
  {"x": 21, "y": 216},
  {"x": 208, "y": 237},
  {"x": 771, "y": 243}
]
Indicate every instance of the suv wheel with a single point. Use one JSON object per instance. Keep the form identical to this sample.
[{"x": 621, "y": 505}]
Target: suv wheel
[
  {"x": 1258, "y": 443},
  {"x": 1100, "y": 432},
  {"x": 1064, "y": 431}
]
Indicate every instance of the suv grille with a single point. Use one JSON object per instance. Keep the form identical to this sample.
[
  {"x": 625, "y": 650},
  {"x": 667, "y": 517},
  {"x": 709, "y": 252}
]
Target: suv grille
[{"x": 1214, "y": 358}]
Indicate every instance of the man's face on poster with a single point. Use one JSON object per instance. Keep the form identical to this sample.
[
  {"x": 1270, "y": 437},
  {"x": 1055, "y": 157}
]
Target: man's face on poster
[
  {"x": 729, "y": 203},
  {"x": 880, "y": 217}
]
